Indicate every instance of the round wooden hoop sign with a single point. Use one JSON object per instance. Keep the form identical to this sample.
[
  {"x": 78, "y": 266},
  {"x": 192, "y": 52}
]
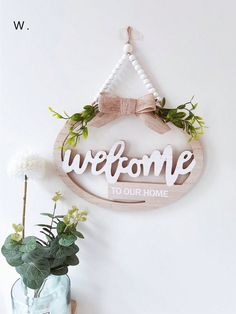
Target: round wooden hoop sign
[
  {"x": 130, "y": 194},
  {"x": 113, "y": 164}
]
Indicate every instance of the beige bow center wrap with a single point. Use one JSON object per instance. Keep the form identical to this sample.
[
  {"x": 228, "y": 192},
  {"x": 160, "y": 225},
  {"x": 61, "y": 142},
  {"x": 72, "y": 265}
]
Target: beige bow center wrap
[{"x": 112, "y": 107}]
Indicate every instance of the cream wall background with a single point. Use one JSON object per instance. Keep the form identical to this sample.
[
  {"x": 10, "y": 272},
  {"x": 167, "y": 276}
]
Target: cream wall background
[{"x": 177, "y": 260}]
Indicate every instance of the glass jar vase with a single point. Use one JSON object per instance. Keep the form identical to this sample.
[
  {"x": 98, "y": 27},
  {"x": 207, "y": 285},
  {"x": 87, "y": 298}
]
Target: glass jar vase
[{"x": 52, "y": 298}]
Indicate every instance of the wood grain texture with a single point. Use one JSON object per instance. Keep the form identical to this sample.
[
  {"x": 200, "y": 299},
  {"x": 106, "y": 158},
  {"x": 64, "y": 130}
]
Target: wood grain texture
[
  {"x": 73, "y": 307},
  {"x": 177, "y": 191}
]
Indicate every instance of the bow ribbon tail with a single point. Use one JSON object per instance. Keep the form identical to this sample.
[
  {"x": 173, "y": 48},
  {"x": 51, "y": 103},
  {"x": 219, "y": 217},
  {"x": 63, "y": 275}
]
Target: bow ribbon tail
[
  {"x": 154, "y": 122},
  {"x": 103, "y": 118}
]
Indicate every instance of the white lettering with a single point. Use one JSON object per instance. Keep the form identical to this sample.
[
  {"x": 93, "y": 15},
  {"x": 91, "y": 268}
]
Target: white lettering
[{"x": 112, "y": 164}]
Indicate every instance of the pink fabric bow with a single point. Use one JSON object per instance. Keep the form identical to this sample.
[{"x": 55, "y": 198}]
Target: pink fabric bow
[{"x": 112, "y": 107}]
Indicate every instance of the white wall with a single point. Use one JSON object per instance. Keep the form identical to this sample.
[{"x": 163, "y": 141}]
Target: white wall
[{"x": 177, "y": 260}]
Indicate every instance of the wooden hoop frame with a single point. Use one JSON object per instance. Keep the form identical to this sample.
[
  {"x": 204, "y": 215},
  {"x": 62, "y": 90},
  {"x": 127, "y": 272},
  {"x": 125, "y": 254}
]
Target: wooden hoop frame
[{"x": 177, "y": 191}]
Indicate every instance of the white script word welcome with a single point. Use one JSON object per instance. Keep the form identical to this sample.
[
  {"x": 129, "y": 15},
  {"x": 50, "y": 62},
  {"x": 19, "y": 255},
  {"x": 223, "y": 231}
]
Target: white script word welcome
[{"x": 113, "y": 163}]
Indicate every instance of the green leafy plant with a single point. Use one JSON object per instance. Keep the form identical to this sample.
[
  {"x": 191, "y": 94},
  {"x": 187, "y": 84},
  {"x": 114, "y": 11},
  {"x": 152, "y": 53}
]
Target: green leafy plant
[
  {"x": 183, "y": 117},
  {"x": 34, "y": 258},
  {"x": 78, "y": 126}
]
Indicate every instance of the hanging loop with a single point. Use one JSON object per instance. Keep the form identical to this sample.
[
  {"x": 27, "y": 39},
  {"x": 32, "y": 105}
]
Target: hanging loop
[
  {"x": 129, "y": 32},
  {"x": 128, "y": 55}
]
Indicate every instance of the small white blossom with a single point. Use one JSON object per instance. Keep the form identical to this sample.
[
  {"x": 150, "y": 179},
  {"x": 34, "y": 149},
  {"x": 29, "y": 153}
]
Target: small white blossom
[{"x": 26, "y": 163}]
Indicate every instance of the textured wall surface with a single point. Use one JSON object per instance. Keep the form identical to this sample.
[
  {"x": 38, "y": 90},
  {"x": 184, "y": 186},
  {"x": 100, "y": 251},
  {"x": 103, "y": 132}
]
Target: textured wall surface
[{"x": 176, "y": 260}]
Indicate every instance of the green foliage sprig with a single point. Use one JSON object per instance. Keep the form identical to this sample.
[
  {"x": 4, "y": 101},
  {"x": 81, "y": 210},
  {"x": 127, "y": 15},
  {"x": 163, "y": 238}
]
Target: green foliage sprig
[
  {"x": 183, "y": 117},
  {"x": 34, "y": 258},
  {"x": 79, "y": 123}
]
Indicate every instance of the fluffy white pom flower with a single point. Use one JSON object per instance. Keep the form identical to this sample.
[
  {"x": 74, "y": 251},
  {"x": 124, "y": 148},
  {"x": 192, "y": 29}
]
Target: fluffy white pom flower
[{"x": 26, "y": 163}]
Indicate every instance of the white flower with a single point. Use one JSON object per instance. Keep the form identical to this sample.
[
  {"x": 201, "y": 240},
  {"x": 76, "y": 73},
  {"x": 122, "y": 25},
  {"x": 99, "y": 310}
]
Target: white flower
[{"x": 26, "y": 163}]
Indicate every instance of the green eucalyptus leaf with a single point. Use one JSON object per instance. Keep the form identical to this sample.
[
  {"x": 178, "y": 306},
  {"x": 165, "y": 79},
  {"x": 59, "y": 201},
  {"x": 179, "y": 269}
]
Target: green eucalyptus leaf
[
  {"x": 13, "y": 256},
  {"x": 72, "y": 260},
  {"x": 37, "y": 254},
  {"x": 34, "y": 272},
  {"x": 57, "y": 262},
  {"x": 78, "y": 234},
  {"x": 28, "y": 244},
  {"x": 64, "y": 251},
  {"x": 67, "y": 239},
  {"x": 58, "y": 251},
  {"x": 60, "y": 271},
  {"x": 61, "y": 227},
  {"x": 11, "y": 244}
]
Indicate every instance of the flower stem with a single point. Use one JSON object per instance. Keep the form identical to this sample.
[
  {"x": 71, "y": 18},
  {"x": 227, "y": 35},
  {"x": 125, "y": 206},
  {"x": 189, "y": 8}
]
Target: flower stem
[
  {"x": 24, "y": 205},
  {"x": 54, "y": 211}
]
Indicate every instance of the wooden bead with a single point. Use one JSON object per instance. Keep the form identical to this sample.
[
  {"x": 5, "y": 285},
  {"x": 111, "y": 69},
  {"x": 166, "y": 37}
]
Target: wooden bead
[
  {"x": 132, "y": 58},
  {"x": 140, "y": 72},
  {"x": 146, "y": 81},
  {"x": 149, "y": 85},
  {"x": 152, "y": 90},
  {"x": 128, "y": 48},
  {"x": 137, "y": 67},
  {"x": 143, "y": 76}
]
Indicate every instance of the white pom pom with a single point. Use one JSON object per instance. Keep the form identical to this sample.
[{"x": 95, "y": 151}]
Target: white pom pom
[
  {"x": 26, "y": 164},
  {"x": 128, "y": 48}
]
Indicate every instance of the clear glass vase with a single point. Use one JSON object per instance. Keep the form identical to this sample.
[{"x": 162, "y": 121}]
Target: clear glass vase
[{"x": 52, "y": 298}]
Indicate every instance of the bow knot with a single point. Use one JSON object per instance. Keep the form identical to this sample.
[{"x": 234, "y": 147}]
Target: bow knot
[
  {"x": 111, "y": 107},
  {"x": 108, "y": 103},
  {"x": 127, "y": 106}
]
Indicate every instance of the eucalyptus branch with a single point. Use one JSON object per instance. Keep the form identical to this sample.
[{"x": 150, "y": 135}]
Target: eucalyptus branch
[{"x": 35, "y": 259}]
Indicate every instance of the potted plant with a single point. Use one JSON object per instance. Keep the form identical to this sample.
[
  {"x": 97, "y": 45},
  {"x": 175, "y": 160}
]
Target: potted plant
[{"x": 42, "y": 263}]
